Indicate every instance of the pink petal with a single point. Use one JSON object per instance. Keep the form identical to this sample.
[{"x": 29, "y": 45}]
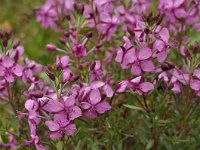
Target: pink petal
[
  {"x": 196, "y": 73},
  {"x": 129, "y": 57},
  {"x": 7, "y": 62},
  {"x": 158, "y": 45},
  {"x": 109, "y": 92},
  {"x": 146, "y": 87},
  {"x": 29, "y": 104},
  {"x": 53, "y": 106},
  {"x": 95, "y": 97},
  {"x": 55, "y": 135},
  {"x": 197, "y": 27},
  {"x": 70, "y": 129},
  {"x": 9, "y": 77},
  {"x": 144, "y": 53},
  {"x": 85, "y": 105},
  {"x": 96, "y": 84},
  {"x": 90, "y": 114},
  {"x": 180, "y": 13},
  {"x": 119, "y": 56},
  {"x": 2, "y": 71},
  {"x": 177, "y": 3},
  {"x": 66, "y": 75},
  {"x": 122, "y": 86},
  {"x": 147, "y": 65},
  {"x": 17, "y": 70},
  {"x": 136, "y": 80},
  {"x": 195, "y": 84},
  {"x": 176, "y": 88},
  {"x": 164, "y": 35},
  {"x": 70, "y": 100},
  {"x": 161, "y": 56},
  {"x": 76, "y": 112},
  {"x": 135, "y": 69},
  {"x": 52, "y": 125},
  {"x": 102, "y": 107}
]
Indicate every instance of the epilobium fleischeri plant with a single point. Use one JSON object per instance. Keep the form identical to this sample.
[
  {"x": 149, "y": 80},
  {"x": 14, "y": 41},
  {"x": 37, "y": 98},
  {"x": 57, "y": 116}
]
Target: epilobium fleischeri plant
[{"x": 113, "y": 56}]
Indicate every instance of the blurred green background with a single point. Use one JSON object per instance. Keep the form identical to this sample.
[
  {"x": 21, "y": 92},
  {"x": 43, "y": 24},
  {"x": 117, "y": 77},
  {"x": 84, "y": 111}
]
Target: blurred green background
[{"x": 18, "y": 15}]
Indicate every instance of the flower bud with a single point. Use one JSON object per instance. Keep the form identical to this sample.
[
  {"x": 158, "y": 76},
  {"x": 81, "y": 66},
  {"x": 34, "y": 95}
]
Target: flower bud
[
  {"x": 16, "y": 44},
  {"x": 74, "y": 78},
  {"x": 37, "y": 94},
  {"x": 50, "y": 47},
  {"x": 49, "y": 72},
  {"x": 79, "y": 50},
  {"x": 146, "y": 31},
  {"x": 89, "y": 34},
  {"x": 68, "y": 17},
  {"x": 5, "y": 42},
  {"x": 62, "y": 40},
  {"x": 8, "y": 34},
  {"x": 131, "y": 32},
  {"x": 167, "y": 66},
  {"x": 66, "y": 34}
]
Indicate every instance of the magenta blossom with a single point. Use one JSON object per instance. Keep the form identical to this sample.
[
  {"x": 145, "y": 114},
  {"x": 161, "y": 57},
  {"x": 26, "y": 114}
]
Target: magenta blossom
[
  {"x": 79, "y": 50},
  {"x": 62, "y": 62},
  {"x": 95, "y": 105},
  {"x": 47, "y": 15},
  {"x": 9, "y": 70},
  {"x": 65, "y": 108},
  {"x": 138, "y": 60},
  {"x": 60, "y": 126},
  {"x": 137, "y": 84},
  {"x": 195, "y": 82}
]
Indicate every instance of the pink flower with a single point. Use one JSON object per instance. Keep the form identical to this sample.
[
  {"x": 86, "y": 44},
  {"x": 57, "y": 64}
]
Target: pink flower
[
  {"x": 60, "y": 126},
  {"x": 95, "y": 105},
  {"x": 137, "y": 84},
  {"x": 161, "y": 44},
  {"x": 138, "y": 60},
  {"x": 47, "y": 15},
  {"x": 9, "y": 70},
  {"x": 79, "y": 50},
  {"x": 105, "y": 86},
  {"x": 62, "y": 62},
  {"x": 65, "y": 108},
  {"x": 142, "y": 62},
  {"x": 96, "y": 72},
  {"x": 108, "y": 24}
]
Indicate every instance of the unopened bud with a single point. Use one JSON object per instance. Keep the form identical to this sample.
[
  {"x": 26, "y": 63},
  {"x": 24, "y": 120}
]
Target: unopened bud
[
  {"x": 66, "y": 34},
  {"x": 131, "y": 32},
  {"x": 37, "y": 95},
  {"x": 68, "y": 17},
  {"x": 159, "y": 20},
  {"x": 89, "y": 34},
  {"x": 49, "y": 72},
  {"x": 167, "y": 66},
  {"x": 16, "y": 44},
  {"x": 93, "y": 66},
  {"x": 5, "y": 42},
  {"x": 50, "y": 47},
  {"x": 8, "y": 34},
  {"x": 146, "y": 31},
  {"x": 99, "y": 46},
  {"x": 74, "y": 78},
  {"x": 62, "y": 40}
]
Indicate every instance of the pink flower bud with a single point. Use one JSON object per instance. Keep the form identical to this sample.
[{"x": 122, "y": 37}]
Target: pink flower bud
[{"x": 50, "y": 47}]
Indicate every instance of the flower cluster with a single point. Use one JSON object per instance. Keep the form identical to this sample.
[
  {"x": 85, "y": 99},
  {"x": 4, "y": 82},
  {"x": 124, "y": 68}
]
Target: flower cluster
[{"x": 104, "y": 45}]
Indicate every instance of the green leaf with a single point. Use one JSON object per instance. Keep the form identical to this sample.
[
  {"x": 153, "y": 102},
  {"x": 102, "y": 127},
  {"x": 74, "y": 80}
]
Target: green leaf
[
  {"x": 134, "y": 107},
  {"x": 149, "y": 144}
]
